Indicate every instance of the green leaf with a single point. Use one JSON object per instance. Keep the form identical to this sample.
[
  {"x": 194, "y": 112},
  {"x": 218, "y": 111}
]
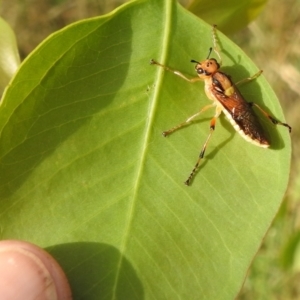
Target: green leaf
[
  {"x": 86, "y": 173},
  {"x": 231, "y": 15},
  {"x": 9, "y": 55}
]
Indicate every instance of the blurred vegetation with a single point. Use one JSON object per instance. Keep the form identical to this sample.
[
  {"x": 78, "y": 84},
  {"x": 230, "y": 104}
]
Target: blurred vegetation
[{"x": 272, "y": 41}]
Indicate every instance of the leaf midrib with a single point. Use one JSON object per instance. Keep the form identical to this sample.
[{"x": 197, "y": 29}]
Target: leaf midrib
[{"x": 166, "y": 34}]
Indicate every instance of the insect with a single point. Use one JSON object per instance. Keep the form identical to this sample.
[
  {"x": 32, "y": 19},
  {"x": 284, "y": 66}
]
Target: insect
[{"x": 227, "y": 99}]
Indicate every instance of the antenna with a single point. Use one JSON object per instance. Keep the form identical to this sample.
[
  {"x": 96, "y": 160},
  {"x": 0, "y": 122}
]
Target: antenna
[{"x": 209, "y": 52}]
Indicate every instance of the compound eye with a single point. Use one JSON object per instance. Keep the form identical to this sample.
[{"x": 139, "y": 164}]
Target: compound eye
[{"x": 200, "y": 71}]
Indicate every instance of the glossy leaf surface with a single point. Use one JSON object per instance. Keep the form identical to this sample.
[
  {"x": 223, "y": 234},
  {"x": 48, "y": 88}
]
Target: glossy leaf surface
[{"x": 86, "y": 174}]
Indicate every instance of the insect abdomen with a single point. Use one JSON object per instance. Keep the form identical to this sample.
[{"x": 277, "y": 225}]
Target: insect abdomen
[{"x": 248, "y": 127}]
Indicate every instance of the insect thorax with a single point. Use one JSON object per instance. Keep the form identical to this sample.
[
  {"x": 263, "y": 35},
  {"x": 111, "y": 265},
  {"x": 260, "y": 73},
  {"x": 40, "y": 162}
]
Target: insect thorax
[{"x": 222, "y": 84}]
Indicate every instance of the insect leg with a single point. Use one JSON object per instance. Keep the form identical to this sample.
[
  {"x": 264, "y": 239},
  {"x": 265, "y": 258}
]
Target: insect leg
[
  {"x": 272, "y": 119},
  {"x": 192, "y": 80},
  {"x": 249, "y": 78},
  {"x": 168, "y": 132},
  {"x": 215, "y": 43},
  {"x": 201, "y": 155}
]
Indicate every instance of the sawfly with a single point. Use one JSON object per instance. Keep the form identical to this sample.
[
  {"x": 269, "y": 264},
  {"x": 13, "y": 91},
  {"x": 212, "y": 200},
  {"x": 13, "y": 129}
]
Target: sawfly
[{"x": 227, "y": 99}]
